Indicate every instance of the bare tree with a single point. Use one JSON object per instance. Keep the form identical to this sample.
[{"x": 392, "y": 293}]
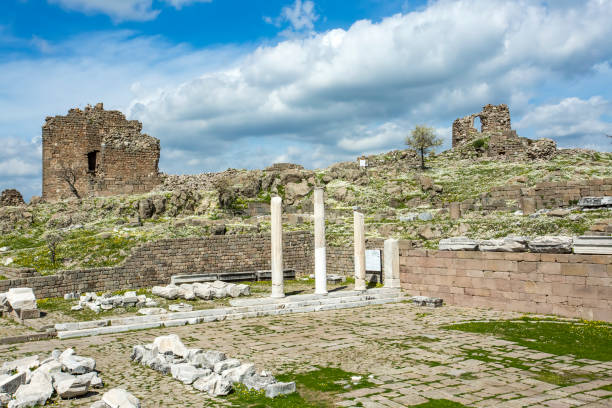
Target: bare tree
[
  {"x": 68, "y": 173},
  {"x": 53, "y": 239}
]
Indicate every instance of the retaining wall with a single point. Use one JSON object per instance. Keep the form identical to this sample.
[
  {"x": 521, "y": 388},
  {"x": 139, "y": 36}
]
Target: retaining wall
[
  {"x": 563, "y": 284},
  {"x": 545, "y": 195},
  {"x": 154, "y": 263}
]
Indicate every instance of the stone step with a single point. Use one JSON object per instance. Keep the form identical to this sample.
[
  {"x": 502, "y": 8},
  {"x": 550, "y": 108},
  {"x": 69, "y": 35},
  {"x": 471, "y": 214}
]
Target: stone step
[
  {"x": 264, "y": 307},
  {"x": 599, "y": 245}
]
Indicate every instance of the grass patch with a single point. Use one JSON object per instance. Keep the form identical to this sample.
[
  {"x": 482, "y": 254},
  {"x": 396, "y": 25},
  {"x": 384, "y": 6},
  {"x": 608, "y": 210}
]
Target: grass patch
[
  {"x": 243, "y": 397},
  {"x": 327, "y": 379},
  {"x": 586, "y": 339},
  {"x": 440, "y": 403},
  {"x": 564, "y": 378}
]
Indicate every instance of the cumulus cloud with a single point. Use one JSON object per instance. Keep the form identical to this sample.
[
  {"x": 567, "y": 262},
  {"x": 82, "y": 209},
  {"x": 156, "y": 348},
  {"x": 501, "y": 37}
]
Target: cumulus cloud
[
  {"x": 118, "y": 10},
  {"x": 329, "y": 96},
  {"x": 361, "y": 88},
  {"x": 572, "y": 121}
]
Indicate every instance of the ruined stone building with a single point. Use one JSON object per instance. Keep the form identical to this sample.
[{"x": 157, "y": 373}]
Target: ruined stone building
[
  {"x": 94, "y": 152},
  {"x": 501, "y": 140}
]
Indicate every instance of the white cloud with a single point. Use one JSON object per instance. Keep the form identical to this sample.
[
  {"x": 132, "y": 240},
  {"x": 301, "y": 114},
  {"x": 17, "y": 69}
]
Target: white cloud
[
  {"x": 179, "y": 4},
  {"x": 118, "y": 10},
  {"x": 301, "y": 16},
  {"x": 325, "y": 98},
  {"x": 579, "y": 120},
  {"x": 337, "y": 88}
]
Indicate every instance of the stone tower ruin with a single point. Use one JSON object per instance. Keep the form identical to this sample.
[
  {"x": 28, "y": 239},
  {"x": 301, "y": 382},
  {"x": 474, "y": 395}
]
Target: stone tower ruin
[
  {"x": 94, "y": 152},
  {"x": 493, "y": 119}
]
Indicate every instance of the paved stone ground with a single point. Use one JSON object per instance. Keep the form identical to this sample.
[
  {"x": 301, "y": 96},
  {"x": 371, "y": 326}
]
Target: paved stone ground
[{"x": 411, "y": 358}]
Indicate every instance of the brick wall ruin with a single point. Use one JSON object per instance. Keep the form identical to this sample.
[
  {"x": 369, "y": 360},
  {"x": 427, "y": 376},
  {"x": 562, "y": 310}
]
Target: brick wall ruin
[
  {"x": 155, "y": 262},
  {"x": 493, "y": 119},
  {"x": 99, "y": 152},
  {"x": 563, "y": 284},
  {"x": 11, "y": 198}
]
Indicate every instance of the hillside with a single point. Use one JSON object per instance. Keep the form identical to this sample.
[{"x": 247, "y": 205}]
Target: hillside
[{"x": 391, "y": 192}]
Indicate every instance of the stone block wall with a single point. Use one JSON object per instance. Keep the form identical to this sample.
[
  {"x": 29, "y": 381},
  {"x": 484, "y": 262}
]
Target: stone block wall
[
  {"x": 102, "y": 152},
  {"x": 154, "y": 263},
  {"x": 563, "y": 284},
  {"x": 493, "y": 119},
  {"x": 341, "y": 260},
  {"x": 545, "y": 195}
]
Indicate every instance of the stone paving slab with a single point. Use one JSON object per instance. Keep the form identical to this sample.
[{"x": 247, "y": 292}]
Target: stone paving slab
[{"x": 411, "y": 358}]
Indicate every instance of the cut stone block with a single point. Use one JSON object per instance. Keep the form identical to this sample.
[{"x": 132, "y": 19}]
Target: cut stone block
[
  {"x": 600, "y": 245},
  {"x": 458, "y": 244},
  {"x": 551, "y": 244}
]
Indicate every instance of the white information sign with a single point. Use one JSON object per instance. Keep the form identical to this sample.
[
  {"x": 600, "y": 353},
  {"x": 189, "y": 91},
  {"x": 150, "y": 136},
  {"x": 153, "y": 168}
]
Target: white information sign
[
  {"x": 373, "y": 260},
  {"x": 363, "y": 163}
]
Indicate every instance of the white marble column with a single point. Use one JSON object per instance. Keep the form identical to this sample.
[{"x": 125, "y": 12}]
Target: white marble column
[
  {"x": 278, "y": 287},
  {"x": 359, "y": 233},
  {"x": 319, "y": 242},
  {"x": 391, "y": 260}
]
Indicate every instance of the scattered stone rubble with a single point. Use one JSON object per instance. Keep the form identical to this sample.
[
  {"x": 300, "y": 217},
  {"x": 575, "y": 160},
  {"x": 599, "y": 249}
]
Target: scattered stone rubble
[
  {"x": 107, "y": 301},
  {"x": 512, "y": 243},
  {"x": 205, "y": 370},
  {"x": 117, "y": 398},
  {"x": 19, "y": 303},
  {"x": 29, "y": 381},
  {"x": 11, "y": 198},
  {"x": 214, "y": 290}
]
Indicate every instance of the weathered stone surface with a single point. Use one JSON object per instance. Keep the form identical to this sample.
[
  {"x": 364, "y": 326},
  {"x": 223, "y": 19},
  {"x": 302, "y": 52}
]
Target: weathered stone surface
[
  {"x": 594, "y": 202},
  {"x": 427, "y": 301},
  {"x": 11, "y": 198},
  {"x": 226, "y": 365},
  {"x": 258, "y": 382},
  {"x": 37, "y": 392},
  {"x": 214, "y": 356},
  {"x": 120, "y": 398},
  {"x": 240, "y": 373},
  {"x": 600, "y": 245},
  {"x": 21, "y": 298},
  {"x": 74, "y": 364},
  {"x": 180, "y": 307},
  {"x": 11, "y": 383},
  {"x": 279, "y": 388},
  {"x": 551, "y": 244},
  {"x": 507, "y": 244},
  {"x": 170, "y": 344},
  {"x": 187, "y": 373},
  {"x": 458, "y": 244},
  {"x": 99, "y": 404},
  {"x": 170, "y": 292},
  {"x": 94, "y": 379},
  {"x": 214, "y": 385},
  {"x": 4, "y": 399},
  {"x": 70, "y": 386},
  {"x": 22, "y": 364},
  {"x": 148, "y": 311},
  {"x": 186, "y": 292},
  {"x": 202, "y": 290}
]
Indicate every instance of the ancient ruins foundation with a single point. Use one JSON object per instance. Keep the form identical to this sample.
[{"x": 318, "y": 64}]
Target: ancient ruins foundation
[{"x": 94, "y": 152}]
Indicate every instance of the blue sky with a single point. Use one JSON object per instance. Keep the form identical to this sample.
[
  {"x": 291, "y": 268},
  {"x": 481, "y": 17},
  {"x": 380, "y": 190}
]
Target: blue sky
[{"x": 243, "y": 84}]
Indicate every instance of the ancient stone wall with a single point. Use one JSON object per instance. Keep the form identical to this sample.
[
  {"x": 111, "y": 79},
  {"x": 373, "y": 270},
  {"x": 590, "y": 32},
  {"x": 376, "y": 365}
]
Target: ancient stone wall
[
  {"x": 493, "y": 119},
  {"x": 102, "y": 152},
  {"x": 544, "y": 195},
  {"x": 11, "y": 198},
  {"x": 341, "y": 260},
  {"x": 563, "y": 284},
  {"x": 154, "y": 263}
]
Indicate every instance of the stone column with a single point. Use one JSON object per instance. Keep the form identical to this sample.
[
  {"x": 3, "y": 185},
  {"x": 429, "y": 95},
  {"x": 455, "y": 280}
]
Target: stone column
[
  {"x": 278, "y": 289},
  {"x": 359, "y": 231},
  {"x": 391, "y": 260},
  {"x": 319, "y": 242}
]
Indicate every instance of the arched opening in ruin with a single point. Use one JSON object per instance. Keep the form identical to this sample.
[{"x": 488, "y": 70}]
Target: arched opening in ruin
[
  {"x": 476, "y": 123},
  {"x": 92, "y": 158}
]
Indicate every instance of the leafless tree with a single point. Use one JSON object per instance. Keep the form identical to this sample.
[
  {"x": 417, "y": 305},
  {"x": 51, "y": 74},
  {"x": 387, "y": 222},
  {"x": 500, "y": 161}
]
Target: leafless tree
[
  {"x": 53, "y": 239},
  {"x": 68, "y": 173}
]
